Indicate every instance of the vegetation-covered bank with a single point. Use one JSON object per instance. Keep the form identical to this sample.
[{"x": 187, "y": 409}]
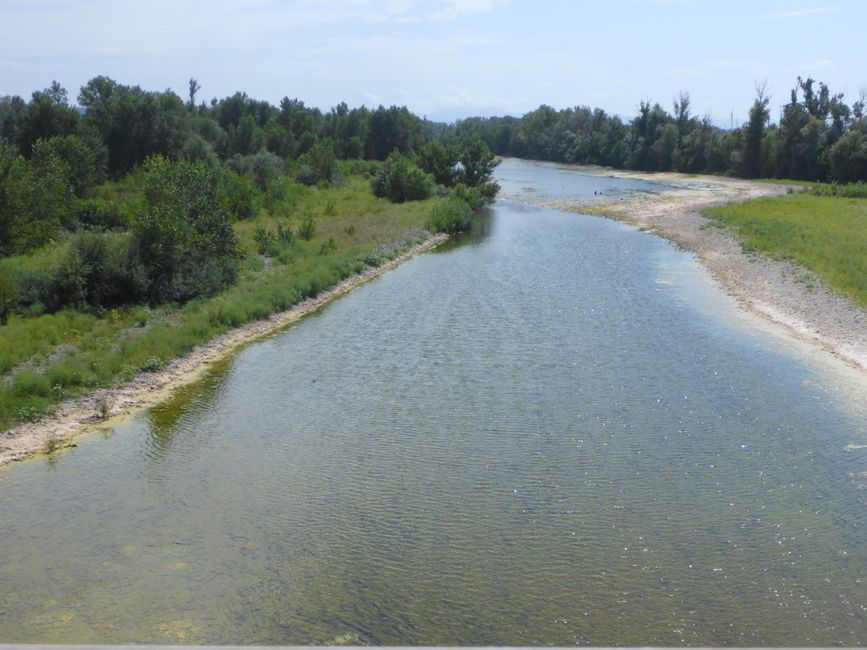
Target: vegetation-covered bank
[
  {"x": 818, "y": 135},
  {"x": 105, "y": 406},
  {"x": 773, "y": 285},
  {"x": 823, "y": 233},
  {"x": 52, "y": 356},
  {"x": 136, "y": 226}
]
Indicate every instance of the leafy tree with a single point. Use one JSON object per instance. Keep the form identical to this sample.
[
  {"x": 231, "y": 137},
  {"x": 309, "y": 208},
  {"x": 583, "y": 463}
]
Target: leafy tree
[
  {"x": 86, "y": 166},
  {"x": 439, "y": 161},
  {"x": 751, "y": 161},
  {"x": 46, "y": 115},
  {"x": 11, "y": 112},
  {"x": 133, "y": 123},
  {"x": 35, "y": 200},
  {"x": 477, "y": 165},
  {"x": 195, "y": 87},
  {"x": 399, "y": 180},
  {"x": 246, "y": 137},
  {"x": 183, "y": 244},
  {"x": 393, "y": 128},
  {"x": 848, "y": 158},
  {"x": 319, "y": 164}
]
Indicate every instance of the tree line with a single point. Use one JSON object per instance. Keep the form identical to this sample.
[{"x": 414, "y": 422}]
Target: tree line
[
  {"x": 819, "y": 137},
  {"x": 141, "y": 187}
]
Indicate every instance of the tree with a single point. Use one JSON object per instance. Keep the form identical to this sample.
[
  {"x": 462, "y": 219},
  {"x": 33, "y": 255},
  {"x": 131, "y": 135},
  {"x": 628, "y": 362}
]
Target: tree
[
  {"x": 400, "y": 180},
  {"x": 35, "y": 200},
  {"x": 477, "y": 169},
  {"x": 319, "y": 164},
  {"x": 11, "y": 111},
  {"x": 46, "y": 115},
  {"x": 751, "y": 160},
  {"x": 134, "y": 124},
  {"x": 439, "y": 161},
  {"x": 85, "y": 166},
  {"x": 848, "y": 158},
  {"x": 183, "y": 244},
  {"x": 195, "y": 87}
]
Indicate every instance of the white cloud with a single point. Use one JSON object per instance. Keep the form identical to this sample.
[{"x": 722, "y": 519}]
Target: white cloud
[
  {"x": 459, "y": 8},
  {"x": 821, "y": 64},
  {"x": 797, "y": 13}
]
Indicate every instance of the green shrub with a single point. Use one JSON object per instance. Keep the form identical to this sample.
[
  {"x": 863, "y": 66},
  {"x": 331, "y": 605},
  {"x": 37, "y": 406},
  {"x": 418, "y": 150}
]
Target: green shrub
[
  {"x": 100, "y": 214},
  {"x": 307, "y": 229},
  {"x": 238, "y": 195},
  {"x": 451, "y": 215},
  {"x": 28, "y": 382},
  {"x": 318, "y": 165},
  {"x": 847, "y": 190},
  {"x": 266, "y": 241},
  {"x": 328, "y": 246},
  {"x": 469, "y": 195},
  {"x": 152, "y": 365},
  {"x": 399, "y": 180},
  {"x": 284, "y": 233},
  {"x": 183, "y": 243}
]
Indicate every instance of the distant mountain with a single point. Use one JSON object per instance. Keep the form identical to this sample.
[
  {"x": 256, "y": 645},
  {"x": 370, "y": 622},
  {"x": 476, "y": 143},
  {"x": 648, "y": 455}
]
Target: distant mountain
[{"x": 449, "y": 115}]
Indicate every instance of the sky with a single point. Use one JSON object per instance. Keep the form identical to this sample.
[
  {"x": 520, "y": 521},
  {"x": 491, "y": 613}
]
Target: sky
[{"x": 444, "y": 58}]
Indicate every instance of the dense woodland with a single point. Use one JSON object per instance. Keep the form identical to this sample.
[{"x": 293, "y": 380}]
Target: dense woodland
[
  {"x": 145, "y": 185},
  {"x": 819, "y": 137}
]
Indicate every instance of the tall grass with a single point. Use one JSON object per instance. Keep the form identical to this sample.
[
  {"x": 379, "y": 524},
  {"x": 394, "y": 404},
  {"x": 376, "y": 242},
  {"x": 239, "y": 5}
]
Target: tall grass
[{"x": 825, "y": 234}]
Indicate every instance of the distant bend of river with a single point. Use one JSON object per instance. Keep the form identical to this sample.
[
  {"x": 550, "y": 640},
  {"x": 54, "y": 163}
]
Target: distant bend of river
[{"x": 555, "y": 430}]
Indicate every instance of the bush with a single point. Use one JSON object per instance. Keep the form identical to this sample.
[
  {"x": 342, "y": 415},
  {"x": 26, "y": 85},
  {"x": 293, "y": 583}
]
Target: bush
[
  {"x": 183, "y": 244},
  {"x": 307, "y": 229},
  {"x": 263, "y": 168},
  {"x": 469, "y": 195},
  {"x": 318, "y": 164},
  {"x": 399, "y": 180},
  {"x": 357, "y": 167},
  {"x": 100, "y": 214},
  {"x": 328, "y": 246},
  {"x": 35, "y": 200},
  {"x": 847, "y": 191},
  {"x": 238, "y": 195},
  {"x": 266, "y": 241},
  {"x": 451, "y": 215},
  {"x": 84, "y": 162},
  {"x": 284, "y": 233}
]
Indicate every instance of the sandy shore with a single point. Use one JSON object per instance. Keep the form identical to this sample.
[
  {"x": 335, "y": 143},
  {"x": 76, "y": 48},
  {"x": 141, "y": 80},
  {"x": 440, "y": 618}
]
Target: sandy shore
[
  {"x": 77, "y": 416},
  {"x": 785, "y": 294}
]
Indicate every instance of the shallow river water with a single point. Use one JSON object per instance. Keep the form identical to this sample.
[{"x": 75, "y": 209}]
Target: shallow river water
[{"x": 555, "y": 430}]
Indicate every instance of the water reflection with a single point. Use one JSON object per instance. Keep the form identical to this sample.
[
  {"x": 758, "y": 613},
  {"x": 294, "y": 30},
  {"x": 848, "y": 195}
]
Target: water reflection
[{"x": 164, "y": 418}]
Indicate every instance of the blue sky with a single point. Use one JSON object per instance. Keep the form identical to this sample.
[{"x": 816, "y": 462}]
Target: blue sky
[{"x": 443, "y": 57}]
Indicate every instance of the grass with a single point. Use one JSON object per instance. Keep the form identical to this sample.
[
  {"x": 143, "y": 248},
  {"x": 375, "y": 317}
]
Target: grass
[
  {"x": 825, "y": 234},
  {"x": 789, "y": 182},
  {"x": 47, "y": 358}
]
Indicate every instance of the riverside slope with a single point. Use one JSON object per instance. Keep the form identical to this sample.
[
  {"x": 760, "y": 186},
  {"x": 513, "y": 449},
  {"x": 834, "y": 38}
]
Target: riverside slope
[
  {"x": 83, "y": 414},
  {"x": 773, "y": 289}
]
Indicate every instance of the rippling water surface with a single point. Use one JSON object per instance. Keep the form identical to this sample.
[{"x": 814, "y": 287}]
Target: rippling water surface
[{"x": 550, "y": 432}]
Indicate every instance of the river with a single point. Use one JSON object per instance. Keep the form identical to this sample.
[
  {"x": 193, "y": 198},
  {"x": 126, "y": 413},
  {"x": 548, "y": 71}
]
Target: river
[{"x": 554, "y": 430}]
